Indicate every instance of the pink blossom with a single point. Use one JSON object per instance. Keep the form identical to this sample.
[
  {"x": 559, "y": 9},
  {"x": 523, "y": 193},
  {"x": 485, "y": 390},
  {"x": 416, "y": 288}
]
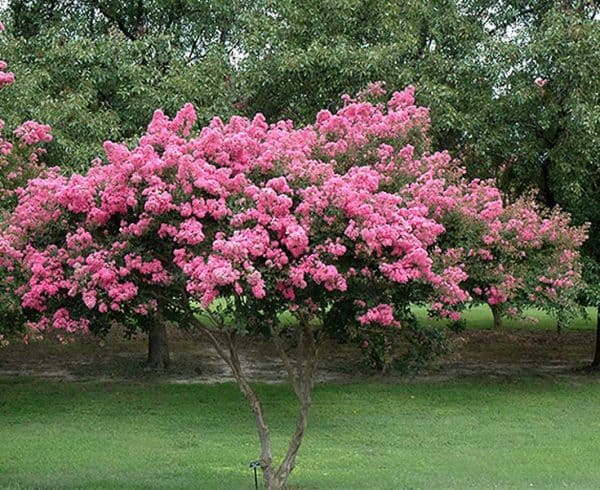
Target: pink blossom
[
  {"x": 32, "y": 133},
  {"x": 349, "y": 208},
  {"x": 382, "y": 314}
]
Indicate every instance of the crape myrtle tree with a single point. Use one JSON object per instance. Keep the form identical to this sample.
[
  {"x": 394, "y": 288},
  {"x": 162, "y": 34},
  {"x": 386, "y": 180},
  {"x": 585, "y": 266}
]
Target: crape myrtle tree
[
  {"x": 511, "y": 85},
  {"x": 230, "y": 229},
  {"x": 528, "y": 256}
]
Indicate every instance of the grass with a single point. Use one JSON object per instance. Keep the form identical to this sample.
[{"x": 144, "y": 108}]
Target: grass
[
  {"x": 531, "y": 433},
  {"x": 480, "y": 317}
]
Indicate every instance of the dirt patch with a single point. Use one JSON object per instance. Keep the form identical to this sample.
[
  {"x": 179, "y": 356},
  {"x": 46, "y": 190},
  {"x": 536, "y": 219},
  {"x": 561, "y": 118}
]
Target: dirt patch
[{"x": 475, "y": 353}]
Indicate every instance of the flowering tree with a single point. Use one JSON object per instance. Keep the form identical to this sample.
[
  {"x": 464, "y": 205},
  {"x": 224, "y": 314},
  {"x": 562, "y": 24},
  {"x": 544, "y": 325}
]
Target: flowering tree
[
  {"x": 228, "y": 230},
  {"x": 528, "y": 256},
  {"x": 515, "y": 254}
]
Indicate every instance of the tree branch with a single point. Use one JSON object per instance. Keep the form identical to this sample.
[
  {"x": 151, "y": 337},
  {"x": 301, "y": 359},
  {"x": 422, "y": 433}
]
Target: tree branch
[
  {"x": 114, "y": 19},
  {"x": 287, "y": 362}
]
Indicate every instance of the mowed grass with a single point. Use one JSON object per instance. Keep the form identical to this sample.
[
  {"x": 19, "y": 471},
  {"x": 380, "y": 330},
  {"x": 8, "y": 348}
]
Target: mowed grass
[
  {"x": 531, "y": 433},
  {"x": 480, "y": 317}
]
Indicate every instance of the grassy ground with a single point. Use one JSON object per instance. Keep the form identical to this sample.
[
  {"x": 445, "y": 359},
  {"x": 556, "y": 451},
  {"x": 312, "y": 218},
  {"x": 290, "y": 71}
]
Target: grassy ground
[
  {"x": 480, "y": 317},
  {"x": 505, "y": 409},
  {"x": 464, "y": 434}
]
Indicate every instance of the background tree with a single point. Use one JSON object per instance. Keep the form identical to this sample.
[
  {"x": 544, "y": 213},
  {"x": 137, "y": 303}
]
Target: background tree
[
  {"x": 99, "y": 69},
  {"x": 528, "y": 256}
]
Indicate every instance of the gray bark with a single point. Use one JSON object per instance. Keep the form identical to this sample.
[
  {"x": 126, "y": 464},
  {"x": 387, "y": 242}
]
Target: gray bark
[
  {"x": 301, "y": 374},
  {"x": 496, "y": 314},
  {"x": 158, "y": 348}
]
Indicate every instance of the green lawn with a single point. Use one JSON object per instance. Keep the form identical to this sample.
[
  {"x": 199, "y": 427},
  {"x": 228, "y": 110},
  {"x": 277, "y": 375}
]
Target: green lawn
[
  {"x": 466, "y": 434},
  {"x": 480, "y": 317}
]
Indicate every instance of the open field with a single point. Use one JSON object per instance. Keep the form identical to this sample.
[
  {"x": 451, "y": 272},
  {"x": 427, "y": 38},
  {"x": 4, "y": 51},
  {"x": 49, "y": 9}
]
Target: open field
[
  {"x": 528, "y": 433},
  {"x": 480, "y": 317},
  {"x": 504, "y": 409}
]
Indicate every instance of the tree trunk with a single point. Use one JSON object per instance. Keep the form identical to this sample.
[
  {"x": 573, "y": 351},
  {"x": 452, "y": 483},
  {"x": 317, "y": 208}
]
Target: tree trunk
[
  {"x": 496, "y": 314},
  {"x": 158, "y": 349},
  {"x": 288, "y": 463},
  {"x": 596, "y": 361},
  {"x": 301, "y": 375}
]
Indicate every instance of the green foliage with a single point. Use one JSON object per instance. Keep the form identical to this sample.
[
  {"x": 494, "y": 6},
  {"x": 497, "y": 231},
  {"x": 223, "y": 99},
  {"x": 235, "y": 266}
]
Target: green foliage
[
  {"x": 406, "y": 349},
  {"x": 107, "y": 65},
  {"x": 458, "y": 326},
  {"x": 91, "y": 88}
]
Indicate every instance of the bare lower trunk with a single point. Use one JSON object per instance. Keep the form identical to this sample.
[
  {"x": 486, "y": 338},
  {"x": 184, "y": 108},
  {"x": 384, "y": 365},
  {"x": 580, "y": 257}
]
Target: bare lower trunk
[
  {"x": 561, "y": 322},
  {"x": 596, "y": 361},
  {"x": 158, "y": 348},
  {"x": 264, "y": 435},
  {"x": 302, "y": 379},
  {"x": 288, "y": 463},
  {"x": 301, "y": 375},
  {"x": 497, "y": 316}
]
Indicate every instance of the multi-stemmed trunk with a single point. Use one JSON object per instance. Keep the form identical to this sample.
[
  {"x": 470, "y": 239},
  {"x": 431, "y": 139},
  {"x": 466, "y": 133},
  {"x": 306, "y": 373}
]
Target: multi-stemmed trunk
[
  {"x": 158, "y": 348},
  {"x": 497, "y": 316},
  {"x": 301, "y": 374},
  {"x": 561, "y": 322}
]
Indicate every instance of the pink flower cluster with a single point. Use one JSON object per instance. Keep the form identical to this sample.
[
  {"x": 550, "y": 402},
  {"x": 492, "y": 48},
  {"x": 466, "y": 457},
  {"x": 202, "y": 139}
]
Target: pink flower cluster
[
  {"x": 6, "y": 77},
  {"x": 382, "y": 314},
  {"x": 32, "y": 133},
  {"x": 278, "y": 215}
]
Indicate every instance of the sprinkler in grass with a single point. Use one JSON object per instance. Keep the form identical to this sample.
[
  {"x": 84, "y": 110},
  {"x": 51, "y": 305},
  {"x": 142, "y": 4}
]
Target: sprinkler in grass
[{"x": 255, "y": 465}]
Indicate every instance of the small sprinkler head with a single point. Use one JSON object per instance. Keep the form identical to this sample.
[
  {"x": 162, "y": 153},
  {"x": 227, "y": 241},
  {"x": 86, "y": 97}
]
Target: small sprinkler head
[{"x": 255, "y": 465}]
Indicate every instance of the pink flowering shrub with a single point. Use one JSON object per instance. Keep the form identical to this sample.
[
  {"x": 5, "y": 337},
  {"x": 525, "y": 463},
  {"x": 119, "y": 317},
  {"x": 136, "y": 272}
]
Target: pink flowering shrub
[
  {"x": 530, "y": 257},
  {"x": 351, "y": 207}
]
